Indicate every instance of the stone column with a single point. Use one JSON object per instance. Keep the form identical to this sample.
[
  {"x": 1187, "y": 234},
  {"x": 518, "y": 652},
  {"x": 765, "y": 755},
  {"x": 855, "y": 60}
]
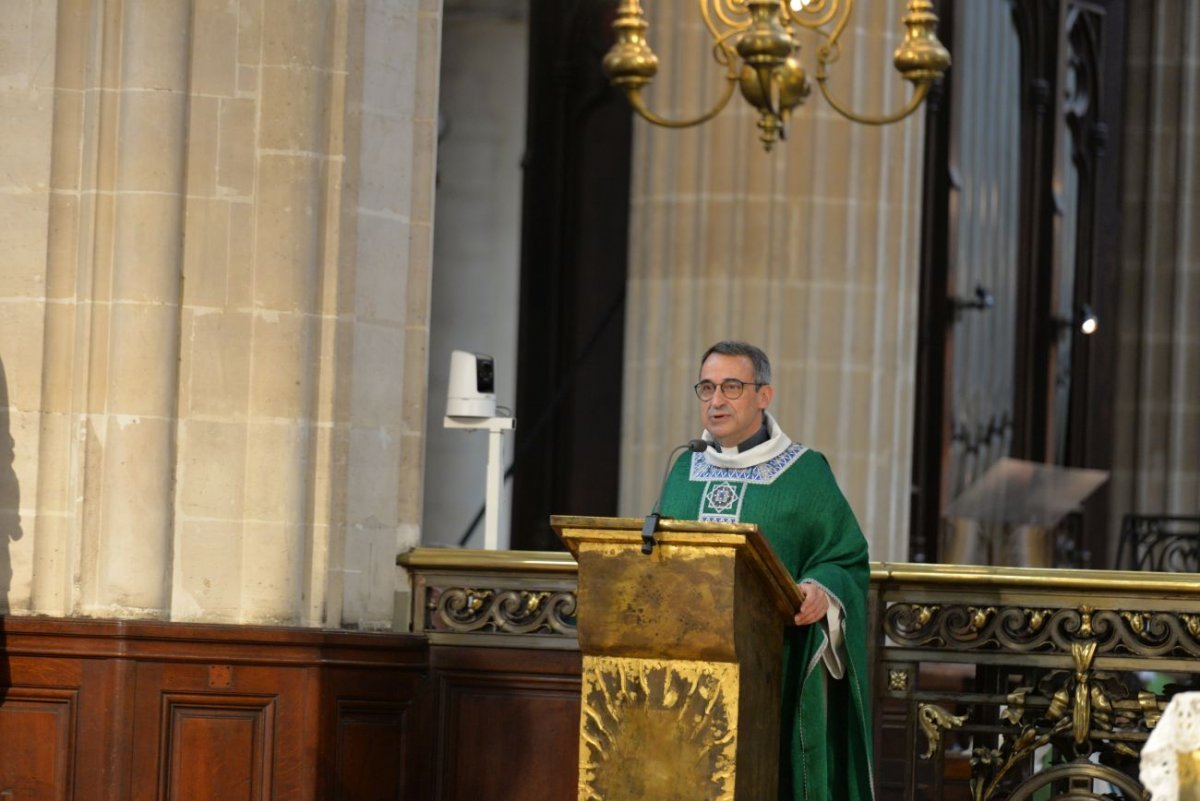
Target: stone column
[
  {"x": 810, "y": 252},
  {"x": 221, "y": 292},
  {"x": 1156, "y": 459},
  {"x": 111, "y": 338},
  {"x": 33, "y": 321},
  {"x": 391, "y": 168},
  {"x": 135, "y": 322}
]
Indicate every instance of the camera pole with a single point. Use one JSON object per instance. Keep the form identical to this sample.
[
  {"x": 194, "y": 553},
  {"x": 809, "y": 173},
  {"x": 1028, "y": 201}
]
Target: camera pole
[{"x": 495, "y": 426}]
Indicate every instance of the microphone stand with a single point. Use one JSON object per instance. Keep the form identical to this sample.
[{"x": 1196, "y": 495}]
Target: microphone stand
[{"x": 652, "y": 519}]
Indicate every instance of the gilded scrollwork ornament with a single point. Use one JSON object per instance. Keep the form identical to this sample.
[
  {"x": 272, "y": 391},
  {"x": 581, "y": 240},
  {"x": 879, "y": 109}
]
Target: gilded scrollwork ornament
[
  {"x": 1013, "y": 628},
  {"x": 933, "y": 720},
  {"x": 980, "y": 617},
  {"x": 1014, "y": 711},
  {"x": 1037, "y": 619},
  {"x": 1151, "y": 708},
  {"x": 512, "y": 611},
  {"x": 1083, "y": 708}
]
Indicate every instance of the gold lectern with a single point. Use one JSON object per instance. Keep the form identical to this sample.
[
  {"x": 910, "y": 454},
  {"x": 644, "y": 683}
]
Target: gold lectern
[{"x": 682, "y": 657}]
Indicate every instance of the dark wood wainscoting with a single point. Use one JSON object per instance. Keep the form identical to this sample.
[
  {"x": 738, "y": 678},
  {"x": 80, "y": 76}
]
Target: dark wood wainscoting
[
  {"x": 125, "y": 710},
  {"x": 508, "y": 723},
  {"x": 507, "y": 668},
  {"x": 140, "y": 711}
]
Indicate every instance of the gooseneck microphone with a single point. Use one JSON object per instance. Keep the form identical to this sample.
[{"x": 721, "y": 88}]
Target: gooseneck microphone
[{"x": 651, "y": 524}]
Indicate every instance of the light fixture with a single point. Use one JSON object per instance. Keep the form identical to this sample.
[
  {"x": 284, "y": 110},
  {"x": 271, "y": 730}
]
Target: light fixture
[
  {"x": 1085, "y": 322},
  {"x": 753, "y": 41},
  {"x": 1089, "y": 323}
]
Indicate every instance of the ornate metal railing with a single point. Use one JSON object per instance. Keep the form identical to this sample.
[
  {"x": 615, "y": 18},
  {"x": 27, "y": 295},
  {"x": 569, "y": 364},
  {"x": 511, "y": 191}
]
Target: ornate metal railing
[
  {"x": 1164, "y": 543},
  {"x": 989, "y": 683},
  {"x": 514, "y": 599},
  {"x": 1024, "y": 683}
]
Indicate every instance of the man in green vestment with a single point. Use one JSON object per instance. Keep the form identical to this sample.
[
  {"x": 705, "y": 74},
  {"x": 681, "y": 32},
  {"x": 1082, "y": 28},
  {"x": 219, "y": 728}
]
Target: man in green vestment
[{"x": 752, "y": 472}]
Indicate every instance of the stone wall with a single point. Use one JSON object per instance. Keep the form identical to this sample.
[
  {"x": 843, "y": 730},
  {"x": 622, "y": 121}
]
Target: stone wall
[
  {"x": 1157, "y": 436},
  {"x": 216, "y": 219}
]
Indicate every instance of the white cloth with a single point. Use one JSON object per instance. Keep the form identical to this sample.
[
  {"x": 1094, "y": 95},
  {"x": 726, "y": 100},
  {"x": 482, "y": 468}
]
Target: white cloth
[
  {"x": 1176, "y": 735},
  {"x": 765, "y": 451}
]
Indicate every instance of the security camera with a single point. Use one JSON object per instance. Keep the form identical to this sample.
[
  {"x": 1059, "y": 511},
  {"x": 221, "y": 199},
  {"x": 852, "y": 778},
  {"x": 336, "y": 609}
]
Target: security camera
[{"x": 472, "y": 388}]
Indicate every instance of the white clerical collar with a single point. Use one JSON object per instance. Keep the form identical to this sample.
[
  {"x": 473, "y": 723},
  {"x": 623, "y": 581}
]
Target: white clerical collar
[{"x": 731, "y": 457}]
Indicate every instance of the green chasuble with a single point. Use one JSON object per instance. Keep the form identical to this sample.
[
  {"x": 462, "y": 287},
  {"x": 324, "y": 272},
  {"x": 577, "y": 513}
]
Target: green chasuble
[{"x": 793, "y": 498}]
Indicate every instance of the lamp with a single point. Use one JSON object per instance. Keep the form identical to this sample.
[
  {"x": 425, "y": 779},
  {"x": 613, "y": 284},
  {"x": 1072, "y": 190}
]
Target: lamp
[
  {"x": 752, "y": 40},
  {"x": 1085, "y": 322},
  {"x": 1089, "y": 323}
]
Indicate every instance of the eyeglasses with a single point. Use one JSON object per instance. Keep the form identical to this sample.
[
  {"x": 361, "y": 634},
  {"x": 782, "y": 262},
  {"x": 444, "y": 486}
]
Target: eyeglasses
[{"x": 731, "y": 388}]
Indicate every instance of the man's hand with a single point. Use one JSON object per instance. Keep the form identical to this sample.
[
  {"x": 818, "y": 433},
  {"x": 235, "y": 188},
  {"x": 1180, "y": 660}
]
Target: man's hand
[{"x": 814, "y": 606}]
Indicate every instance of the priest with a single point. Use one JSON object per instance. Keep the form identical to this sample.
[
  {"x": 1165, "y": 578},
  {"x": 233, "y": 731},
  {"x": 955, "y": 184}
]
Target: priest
[{"x": 753, "y": 472}]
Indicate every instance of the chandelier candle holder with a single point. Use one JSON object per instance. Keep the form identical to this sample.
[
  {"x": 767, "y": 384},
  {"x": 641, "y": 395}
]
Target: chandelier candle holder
[{"x": 753, "y": 41}]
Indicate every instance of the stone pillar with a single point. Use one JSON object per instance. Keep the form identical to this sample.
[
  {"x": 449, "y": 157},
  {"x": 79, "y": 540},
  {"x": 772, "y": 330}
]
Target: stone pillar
[
  {"x": 1156, "y": 459},
  {"x": 391, "y": 166},
  {"x": 135, "y": 314},
  {"x": 221, "y": 291},
  {"x": 31, "y": 320},
  {"x": 111, "y": 335},
  {"x": 810, "y": 252}
]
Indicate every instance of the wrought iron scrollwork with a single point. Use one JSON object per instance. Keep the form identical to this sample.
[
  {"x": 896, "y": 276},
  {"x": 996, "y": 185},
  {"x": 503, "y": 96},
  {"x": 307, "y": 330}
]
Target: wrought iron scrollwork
[
  {"x": 1116, "y": 631},
  {"x": 1079, "y": 711},
  {"x": 469, "y": 610},
  {"x": 1085, "y": 707},
  {"x": 1160, "y": 542}
]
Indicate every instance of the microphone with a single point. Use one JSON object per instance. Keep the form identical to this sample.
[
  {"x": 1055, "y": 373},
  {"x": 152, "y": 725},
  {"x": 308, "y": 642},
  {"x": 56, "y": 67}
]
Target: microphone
[{"x": 651, "y": 524}]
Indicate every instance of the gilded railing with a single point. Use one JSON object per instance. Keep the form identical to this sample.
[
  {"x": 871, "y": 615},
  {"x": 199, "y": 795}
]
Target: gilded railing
[
  {"x": 989, "y": 683},
  {"x": 1019, "y": 683},
  {"x": 500, "y": 598}
]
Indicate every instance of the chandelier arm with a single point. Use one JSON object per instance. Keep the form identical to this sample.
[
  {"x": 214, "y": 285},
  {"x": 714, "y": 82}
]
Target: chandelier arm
[
  {"x": 841, "y": 24},
  {"x": 635, "y": 99},
  {"x": 726, "y": 19},
  {"x": 818, "y": 17},
  {"x": 919, "y": 94}
]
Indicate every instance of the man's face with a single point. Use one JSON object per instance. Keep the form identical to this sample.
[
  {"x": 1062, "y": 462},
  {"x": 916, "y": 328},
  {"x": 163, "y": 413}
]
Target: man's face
[{"x": 732, "y": 421}]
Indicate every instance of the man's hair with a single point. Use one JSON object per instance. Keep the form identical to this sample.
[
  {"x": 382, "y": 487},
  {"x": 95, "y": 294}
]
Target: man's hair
[{"x": 758, "y": 359}]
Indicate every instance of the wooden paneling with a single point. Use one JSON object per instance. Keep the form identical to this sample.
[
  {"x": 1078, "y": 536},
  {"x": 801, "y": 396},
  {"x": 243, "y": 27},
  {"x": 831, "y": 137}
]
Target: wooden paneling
[
  {"x": 373, "y": 736},
  {"x": 37, "y": 728},
  {"x": 507, "y": 715},
  {"x": 252, "y": 715},
  {"x": 134, "y": 711},
  {"x": 379, "y": 740},
  {"x": 138, "y": 711},
  {"x": 217, "y": 747}
]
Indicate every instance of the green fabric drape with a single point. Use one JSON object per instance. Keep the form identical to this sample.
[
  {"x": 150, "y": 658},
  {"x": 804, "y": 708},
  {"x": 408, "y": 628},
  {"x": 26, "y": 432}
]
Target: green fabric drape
[{"x": 794, "y": 499}]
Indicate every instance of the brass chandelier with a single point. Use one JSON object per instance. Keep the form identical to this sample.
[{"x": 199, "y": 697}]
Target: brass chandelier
[{"x": 753, "y": 41}]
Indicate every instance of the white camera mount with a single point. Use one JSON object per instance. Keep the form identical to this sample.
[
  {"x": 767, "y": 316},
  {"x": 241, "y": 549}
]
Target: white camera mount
[{"x": 495, "y": 426}]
